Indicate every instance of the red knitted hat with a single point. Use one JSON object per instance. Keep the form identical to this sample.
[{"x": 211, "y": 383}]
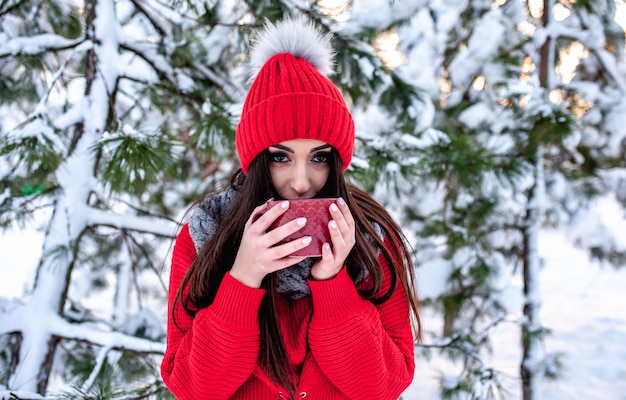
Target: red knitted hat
[{"x": 291, "y": 97}]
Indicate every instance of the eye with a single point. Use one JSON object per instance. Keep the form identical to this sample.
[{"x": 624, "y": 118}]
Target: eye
[
  {"x": 279, "y": 158},
  {"x": 321, "y": 158}
]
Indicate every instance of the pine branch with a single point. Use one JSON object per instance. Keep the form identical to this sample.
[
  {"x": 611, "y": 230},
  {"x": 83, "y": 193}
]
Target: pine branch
[
  {"x": 558, "y": 30},
  {"x": 150, "y": 17},
  {"x": 100, "y": 360}
]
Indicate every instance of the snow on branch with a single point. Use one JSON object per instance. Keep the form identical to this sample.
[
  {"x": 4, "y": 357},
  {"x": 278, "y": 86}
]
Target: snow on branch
[
  {"x": 13, "y": 322},
  {"x": 592, "y": 37},
  {"x": 60, "y": 327},
  {"x": 156, "y": 226},
  {"x": 37, "y": 44},
  {"x": 108, "y": 339}
]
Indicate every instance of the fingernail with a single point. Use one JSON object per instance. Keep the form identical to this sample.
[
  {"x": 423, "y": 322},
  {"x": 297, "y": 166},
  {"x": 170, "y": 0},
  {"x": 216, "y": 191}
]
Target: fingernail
[
  {"x": 333, "y": 225},
  {"x": 327, "y": 246},
  {"x": 307, "y": 239},
  {"x": 284, "y": 204},
  {"x": 333, "y": 207},
  {"x": 301, "y": 221},
  {"x": 341, "y": 201}
]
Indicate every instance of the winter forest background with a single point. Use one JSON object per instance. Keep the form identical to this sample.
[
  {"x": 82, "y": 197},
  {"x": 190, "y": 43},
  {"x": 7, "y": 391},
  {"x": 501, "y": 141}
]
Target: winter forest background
[{"x": 495, "y": 131}]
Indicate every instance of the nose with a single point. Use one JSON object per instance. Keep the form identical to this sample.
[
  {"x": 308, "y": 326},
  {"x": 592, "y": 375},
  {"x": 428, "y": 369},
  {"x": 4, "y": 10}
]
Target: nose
[{"x": 300, "y": 182}]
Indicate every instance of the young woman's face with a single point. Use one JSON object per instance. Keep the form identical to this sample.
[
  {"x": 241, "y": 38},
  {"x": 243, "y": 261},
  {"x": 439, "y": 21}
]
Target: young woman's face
[{"x": 299, "y": 168}]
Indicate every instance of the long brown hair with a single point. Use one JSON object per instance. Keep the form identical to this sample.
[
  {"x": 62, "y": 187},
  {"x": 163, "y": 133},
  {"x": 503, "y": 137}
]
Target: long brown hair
[{"x": 217, "y": 257}]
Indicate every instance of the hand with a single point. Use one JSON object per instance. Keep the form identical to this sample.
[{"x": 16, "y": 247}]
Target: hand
[
  {"x": 342, "y": 235},
  {"x": 257, "y": 255}
]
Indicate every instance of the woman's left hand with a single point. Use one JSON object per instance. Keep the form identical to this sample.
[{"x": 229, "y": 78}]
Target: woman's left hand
[{"x": 342, "y": 235}]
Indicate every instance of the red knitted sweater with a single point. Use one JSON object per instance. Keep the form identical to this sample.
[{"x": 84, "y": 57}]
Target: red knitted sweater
[{"x": 342, "y": 346}]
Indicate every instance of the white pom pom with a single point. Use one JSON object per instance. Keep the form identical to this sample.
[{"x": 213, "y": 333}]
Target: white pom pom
[{"x": 299, "y": 38}]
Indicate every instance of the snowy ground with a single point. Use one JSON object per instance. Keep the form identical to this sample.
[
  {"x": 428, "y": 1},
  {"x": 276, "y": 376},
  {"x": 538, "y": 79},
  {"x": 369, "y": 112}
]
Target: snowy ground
[{"x": 584, "y": 304}]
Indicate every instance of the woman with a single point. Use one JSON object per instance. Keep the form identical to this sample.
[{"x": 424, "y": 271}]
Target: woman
[{"x": 249, "y": 322}]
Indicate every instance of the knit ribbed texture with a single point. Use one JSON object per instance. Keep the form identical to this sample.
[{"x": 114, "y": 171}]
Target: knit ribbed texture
[
  {"x": 289, "y": 99},
  {"x": 342, "y": 346},
  {"x": 248, "y": 299}
]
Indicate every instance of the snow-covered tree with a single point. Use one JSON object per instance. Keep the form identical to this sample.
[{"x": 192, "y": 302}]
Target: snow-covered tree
[
  {"x": 513, "y": 114},
  {"x": 478, "y": 122}
]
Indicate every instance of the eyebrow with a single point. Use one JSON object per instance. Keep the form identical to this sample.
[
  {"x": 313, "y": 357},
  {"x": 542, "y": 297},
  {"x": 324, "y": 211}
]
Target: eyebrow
[{"x": 290, "y": 150}]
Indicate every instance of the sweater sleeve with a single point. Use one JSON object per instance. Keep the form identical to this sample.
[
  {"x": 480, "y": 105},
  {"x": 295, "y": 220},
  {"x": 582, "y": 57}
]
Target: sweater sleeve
[
  {"x": 212, "y": 354},
  {"x": 367, "y": 351}
]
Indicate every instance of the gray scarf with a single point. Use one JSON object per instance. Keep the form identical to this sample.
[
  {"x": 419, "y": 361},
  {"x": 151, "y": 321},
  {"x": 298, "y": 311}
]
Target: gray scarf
[{"x": 204, "y": 221}]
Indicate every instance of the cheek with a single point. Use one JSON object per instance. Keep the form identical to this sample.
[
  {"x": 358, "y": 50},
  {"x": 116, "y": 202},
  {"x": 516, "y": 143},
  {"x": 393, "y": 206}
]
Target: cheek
[
  {"x": 278, "y": 179},
  {"x": 319, "y": 179}
]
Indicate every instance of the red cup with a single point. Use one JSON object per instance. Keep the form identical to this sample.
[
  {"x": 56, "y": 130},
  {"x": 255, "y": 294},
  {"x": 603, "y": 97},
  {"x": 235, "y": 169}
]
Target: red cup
[{"x": 317, "y": 218}]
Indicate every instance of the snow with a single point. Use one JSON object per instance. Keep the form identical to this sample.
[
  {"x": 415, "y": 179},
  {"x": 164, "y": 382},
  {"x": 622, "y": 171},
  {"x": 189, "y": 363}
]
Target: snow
[
  {"x": 482, "y": 45},
  {"x": 475, "y": 115},
  {"x": 21, "y": 249},
  {"x": 432, "y": 278},
  {"x": 35, "y": 44},
  {"x": 615, "y": 122}
]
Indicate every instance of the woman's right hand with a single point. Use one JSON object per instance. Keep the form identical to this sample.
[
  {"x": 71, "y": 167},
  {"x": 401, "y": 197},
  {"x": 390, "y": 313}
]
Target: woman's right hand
[{"x": 258, "y": 254}]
